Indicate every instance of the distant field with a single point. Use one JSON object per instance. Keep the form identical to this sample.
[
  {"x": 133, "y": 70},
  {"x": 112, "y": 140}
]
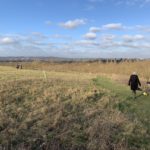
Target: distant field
[
  {"x": 118, "y": 71},
  {"x": 10, "y": 73},
  {"x": 73, "y": 106},
  {"x": 123, "y": 68}
]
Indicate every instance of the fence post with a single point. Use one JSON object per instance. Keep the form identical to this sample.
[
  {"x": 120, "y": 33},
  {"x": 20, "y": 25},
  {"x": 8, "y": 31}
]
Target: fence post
[{"x": 45, "y": 76}]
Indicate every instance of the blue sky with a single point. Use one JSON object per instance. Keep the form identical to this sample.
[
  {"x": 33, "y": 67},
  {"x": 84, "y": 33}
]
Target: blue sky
[{"x": 75, "y": 28}]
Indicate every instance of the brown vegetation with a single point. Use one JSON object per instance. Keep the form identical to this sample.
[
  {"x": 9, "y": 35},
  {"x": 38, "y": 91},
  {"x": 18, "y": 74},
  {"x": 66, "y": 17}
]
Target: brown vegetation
[
  {"x": 57, "y": 106},
  {"x": 60, "y": 115},
  {"x": 98, "y": 67}
]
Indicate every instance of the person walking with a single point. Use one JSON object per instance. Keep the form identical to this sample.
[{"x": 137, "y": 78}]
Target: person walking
[
  {"x": 17, "y": 66},
  {"x": 134, "y": 83}
]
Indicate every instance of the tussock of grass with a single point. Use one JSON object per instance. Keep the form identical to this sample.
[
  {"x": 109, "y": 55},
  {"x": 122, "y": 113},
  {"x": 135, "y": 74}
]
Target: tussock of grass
[{"x": 57, "y": 115}]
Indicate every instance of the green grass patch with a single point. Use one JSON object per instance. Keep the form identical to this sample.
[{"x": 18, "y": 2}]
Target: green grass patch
[{"x": 137, "y": 110}]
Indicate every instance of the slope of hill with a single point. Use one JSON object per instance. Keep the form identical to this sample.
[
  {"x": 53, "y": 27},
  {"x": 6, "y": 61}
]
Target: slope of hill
[{"x": 69, "y": 111}]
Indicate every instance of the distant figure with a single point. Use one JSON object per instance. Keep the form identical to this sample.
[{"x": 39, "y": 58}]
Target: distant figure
[
  {"x": 17, "y": 66},
  {"x": 134, "y": 82}
]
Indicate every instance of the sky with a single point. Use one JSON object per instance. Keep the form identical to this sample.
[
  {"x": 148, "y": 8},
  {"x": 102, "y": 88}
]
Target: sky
[{"x": 75, "y": 28}]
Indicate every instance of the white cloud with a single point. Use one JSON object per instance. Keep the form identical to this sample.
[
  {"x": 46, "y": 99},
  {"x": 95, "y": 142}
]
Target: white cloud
[
  {"x": 71, "y": 24},
  {"x": 113, "y": 26},
  {"x": 107, "y": 38},
  {"x": 38, "y": 36},
  {"x": 86, "y": 43},
  {"x": 107, "y": 45},
  {"x": 132, "y": 38},
  {"x": 94, "y": 29},
  {"x": 139, "y": 37},
  {"x": 143, "y": 28},
  {"x": 60, "y": 36},
  {"x": 7, "y": 40},
  {"x": 90, "y": 36}
]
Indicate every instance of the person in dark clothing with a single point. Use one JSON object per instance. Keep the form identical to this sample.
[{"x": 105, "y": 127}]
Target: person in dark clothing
[
  {"x": 134, "y": 82},
  {"x": 17, "y": 66}
]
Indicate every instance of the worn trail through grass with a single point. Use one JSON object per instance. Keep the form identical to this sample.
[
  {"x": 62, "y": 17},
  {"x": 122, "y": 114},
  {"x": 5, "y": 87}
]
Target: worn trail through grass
[
  {"x": 138, "y": 110},
  {"x": 141, "y": 103}
]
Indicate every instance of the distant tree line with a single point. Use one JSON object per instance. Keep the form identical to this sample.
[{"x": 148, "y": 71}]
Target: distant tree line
[{"x": 68, "y": 60}]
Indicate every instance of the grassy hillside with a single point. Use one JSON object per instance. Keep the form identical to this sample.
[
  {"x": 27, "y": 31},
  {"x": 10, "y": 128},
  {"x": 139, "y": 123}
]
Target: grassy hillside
[
  {"x": 58, "y": 115},
  {"x": 69, "y": 111},
  {"x": 137, "y": 110}
]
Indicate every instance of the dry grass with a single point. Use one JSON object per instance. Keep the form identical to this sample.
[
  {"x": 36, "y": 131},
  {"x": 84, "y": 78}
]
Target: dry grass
[
  {"x": 57, "y": 107},
  {"x": 11, "y": 74},
  {"x": 121, "y": 71},
  {"x": 59, "y": 114},
  {"x": 94, "y": 67}
]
